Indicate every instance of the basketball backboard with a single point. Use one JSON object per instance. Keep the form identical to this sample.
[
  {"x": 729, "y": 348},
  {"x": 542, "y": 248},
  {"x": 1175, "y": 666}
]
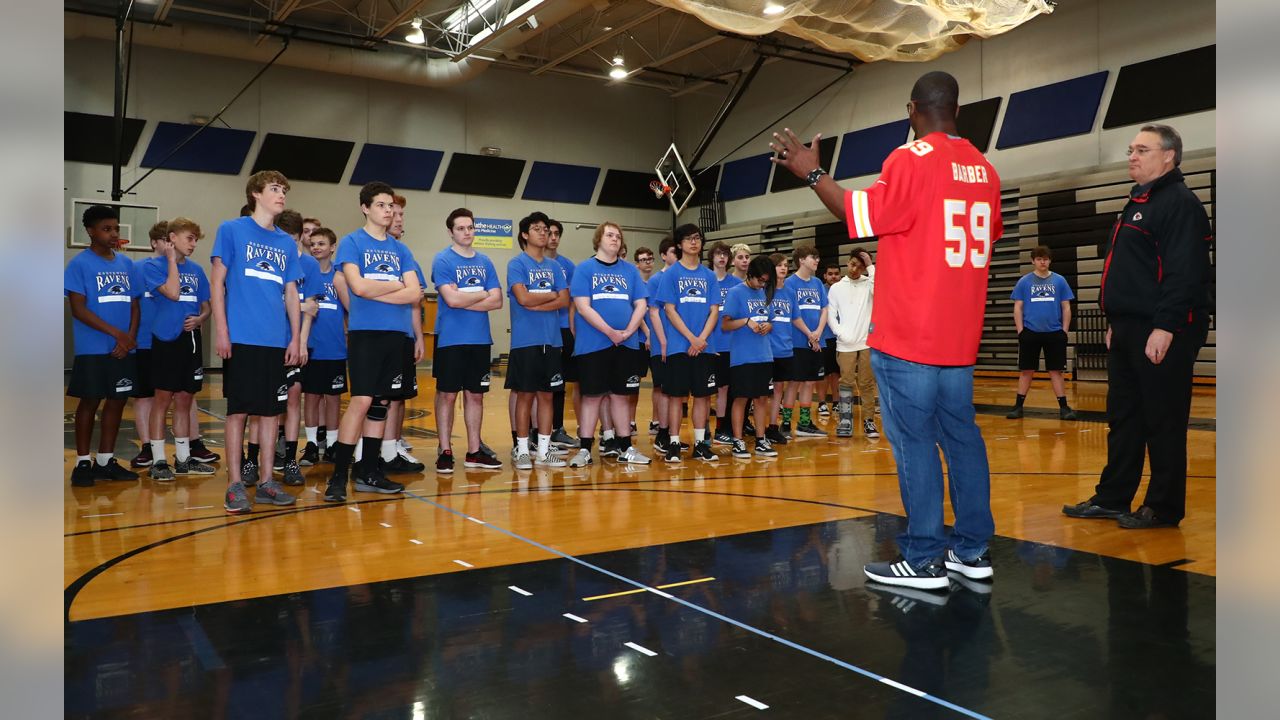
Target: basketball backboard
[
  {"x": 136, "y": 220},
  {"x": 676, "y": 180}
]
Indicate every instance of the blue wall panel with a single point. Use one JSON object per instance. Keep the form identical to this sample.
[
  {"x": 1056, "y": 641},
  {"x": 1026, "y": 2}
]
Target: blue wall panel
[
  {"x": 744, "y": 178},
  {"x": 862, "y": 152},
  {"x": 557, "y": 182},
  {"x": 1052, "y": 111},
  {"x": 400, "y": 167},
  {"x": 215, "y": 150}
]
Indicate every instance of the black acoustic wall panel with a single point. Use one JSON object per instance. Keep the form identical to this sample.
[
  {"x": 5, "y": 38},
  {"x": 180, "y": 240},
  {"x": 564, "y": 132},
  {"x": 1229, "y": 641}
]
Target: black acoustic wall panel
[
  {"x": 304, "y": 158},
  {"x": 862, "y": 152},
  {"x": 88, "y": 138},
  {"x": 402, "y": 168},
  {"x": 706, "y": 181},
  {"x": 745, "y": 177},
  {"x": 630, "y": 189},
  {"x": 1053, "y": 111},
  {"x": 783, "y": 179},
  {"x": 1164, "y": 87},
  {"x": 558, "y": 182},
  {"x": 482, "y": 175},
  {"x": 213, "y": 150},
  {"x": 977, "y": 121}
]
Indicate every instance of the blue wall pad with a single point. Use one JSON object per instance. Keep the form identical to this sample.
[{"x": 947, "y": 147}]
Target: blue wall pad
[
  {"x": 1052, "y": 111},
  {"x": 214, "y": 150},
  {"x": 744, "y": 178},
  {"x": 402, "y": 168},
  {"x": 557, "y": 182},
  {"x": 862, "y": 152}
]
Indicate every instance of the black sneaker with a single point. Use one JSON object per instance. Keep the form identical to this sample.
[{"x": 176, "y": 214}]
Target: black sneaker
[
  {"x": 336, "y": 490},
  {"x": 653, "y": 427},
  {"x": 672, "y": 454},
  {"x": 928, "y": 575},
  {"x": 82, "y": 474},
  {"x": 483, "y": 460},
  {"x": 740, "y": 449},
  {"x": 160, "y": 471},
  {"x": 401, "y": 465},
  {"x": 823, "y": 409},
  {"x": 1015, "y": 413},
  {"x": 702, "y": 451},
  {"x": 444, "y": 462},
  {"x": 977, "y": 569},
  {"x": 774, "y": 435},
  {"x": 809, "y": 430},
  {"x": 112, "y": 471},
  {"x": 378, "y": 483},
  {"x": 723, "y": 438},
  {"x": 143, "y": 458},
  {"x": 310, "y": 455},
  {"x": 610, "y": 448},
  {"x": 293, "y": 474},
  {"x": 200, "y": 453},
  {"x": 786, "y": 430},
  {"x": 192, "y": 466},
  {"x": 869, "y": 429},
  {"x": 1066, "y": 413},
  {"x": 278, "y": 463},
  {"x": 1087, "y": 509},
  {"x": 249, "y": 473},
  {"x": 764, "y": 448},
  {"x": 326, "y": 455},
  {"x": 748, "y": 429}
]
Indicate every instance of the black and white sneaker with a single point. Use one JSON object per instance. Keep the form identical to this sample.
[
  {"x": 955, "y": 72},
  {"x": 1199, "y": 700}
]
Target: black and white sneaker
[
  {"x": 774, "y": 435},
  {"x": 278, "y": 462},
  {"x": 563, "y": 440},
  {"x": 808, "y": 430},
  {"x": 702, "y": 451},
  {"x": 143, "y": 458},
  {"x": 977, "y": 569},
  {"x": 653, "y": 427},
  {"x": 160, "y": 471},
  {"x": 723, "y": 438},
  {"x": 928, "y": 575},
  {"x": 401, "y": 465},
  {"x": 740, "y": 449},
  {"x": 192, "y": 466},
  {"x": 869, "y": 429},
  {"x": 609, "y": 448},
  {"x": 823, "y": 410},
  {"x": 249, "y": 473},
  {"x": 293, "y": 474},
  {"x": 336, "y": 490},
  {"x": 764, "y": 448},
  {"x": 200, "y": 453},
  {"x": 375, "y": 482},
  {"x": 748, "y": 429},
  {"x": 672, "y": 454},
  {"x": 310, "y": 455}
]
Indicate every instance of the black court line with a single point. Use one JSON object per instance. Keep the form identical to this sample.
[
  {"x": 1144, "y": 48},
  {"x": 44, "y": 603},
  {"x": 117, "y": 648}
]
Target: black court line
[{"x": 1175, "y": 563}]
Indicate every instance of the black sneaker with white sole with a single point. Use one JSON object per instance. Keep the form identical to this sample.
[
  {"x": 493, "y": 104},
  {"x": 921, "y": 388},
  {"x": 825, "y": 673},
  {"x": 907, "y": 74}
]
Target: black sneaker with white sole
[
  {"x": 372, "y": 480},
  {"x": 310, "y": 455},
  {"x": 809, "y": 430},
  {"x": 764, "y": 448},
  {"x": 702, "y": 451},
  {"x": 143, "y": 458},
  {"x": 200, "y": 453},
  {"x": 978, "y": 568},
  {"x": 927, "y": 575},
  {"x": 723, "y": 438},
  {"x": 672, "y": 454},
  {"x": 192, "y": 466},
  {"x": 336, "y": 490},
  {"x": 740, "y": 450},
  {"x": 774, "y": 435},
  {"x": 869, "y": 429}
]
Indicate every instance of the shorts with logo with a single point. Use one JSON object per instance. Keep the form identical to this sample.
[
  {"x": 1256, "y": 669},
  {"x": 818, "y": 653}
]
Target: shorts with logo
[
  {"x": 102, "y": 377},
  {"x": 535, "y": 368},
  {"x": 807, "y": 365},
  {"x": 142, "y": 385},
  {"x": 177, "y": 365},
  {"x": 613, "y": 370},
  {"x": 782, "y": 369},
  {"x": 690, "y": 375},
  {"x": 462, "y": 367},
  {"x": 657, "y": 365},
  {"x": 568, "y": 362},
  {"x": 1054, "y": 345},
  {"x": 751, "y": 380},
  {"x": 253, "y": 380},
  {"x": 381, "y": 364},
  {"x": 324, "y": 377},
  {"x": 830, "y": 364},
  {"x": 292, "y": 375}
]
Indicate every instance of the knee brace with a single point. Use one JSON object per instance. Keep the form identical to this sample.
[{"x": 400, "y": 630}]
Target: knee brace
[{"x": 378, "y": 410}]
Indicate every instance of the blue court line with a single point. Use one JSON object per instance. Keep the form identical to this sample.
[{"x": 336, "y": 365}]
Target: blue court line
[{"x": 749, "y": 628}]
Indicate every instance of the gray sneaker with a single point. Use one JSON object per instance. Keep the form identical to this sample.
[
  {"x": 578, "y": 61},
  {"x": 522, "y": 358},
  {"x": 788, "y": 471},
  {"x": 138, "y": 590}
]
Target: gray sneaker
[
  {"x": 160, "y": 471},
  {"x": 237, "y": 499},
  {"x": 581, "y": 459},
  {"x": 632, "y": 456},
  {"x": 192, "y": 466},
  {"x": 293, "y": 474},
  {"x": 562, "y": 439},
  {"x": 522, "y": 461},
  {"x": 272, "y": 493}
]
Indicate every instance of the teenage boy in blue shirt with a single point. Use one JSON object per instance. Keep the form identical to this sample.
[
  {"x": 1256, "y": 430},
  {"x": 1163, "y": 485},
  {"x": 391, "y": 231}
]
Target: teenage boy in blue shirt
[
  {"x": 568, "y": 361},
  {"x": 746, "y": 324},
  {"x": 324, "y": 377},
  {"x": 254, "y": 294},
  {"x": 808, "y": 325},
  {"x": 102, "y": 290},
  {"x": 143, "y": 392},
  {"x": 395, "y": 451},
  {"x": 670, "y": 255},
  {"x": 719, "y": 258},
  {"x": 1042, "y": 317}
]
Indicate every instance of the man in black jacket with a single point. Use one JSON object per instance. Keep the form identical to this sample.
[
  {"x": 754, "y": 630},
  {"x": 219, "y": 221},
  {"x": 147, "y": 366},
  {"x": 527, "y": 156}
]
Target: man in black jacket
[{"x": 1155, "y": 293}]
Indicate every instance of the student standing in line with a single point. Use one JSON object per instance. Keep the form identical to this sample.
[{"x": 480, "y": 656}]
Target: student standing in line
[
  {"x": 808, "y": 325},
  {"x": 1042, "y": 317},
  {"x": 747, "y": 326},
  {"x": 324, "y": 377},
  {"x": 143, "y": 392},
  {"x": 719, "y": 256}
]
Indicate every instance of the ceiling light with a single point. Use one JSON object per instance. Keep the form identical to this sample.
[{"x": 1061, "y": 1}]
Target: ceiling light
[
  {"x": 416, "y": 36},
  {"x": 618, "y": 69},
  {"x": 773, "y": 9}
]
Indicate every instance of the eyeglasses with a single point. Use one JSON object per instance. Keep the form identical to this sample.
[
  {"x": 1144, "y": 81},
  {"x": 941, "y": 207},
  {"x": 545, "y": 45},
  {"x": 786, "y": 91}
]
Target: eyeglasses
[
  {"x": 1142, "y": 150},
  {"x": 647, "y": 258}
]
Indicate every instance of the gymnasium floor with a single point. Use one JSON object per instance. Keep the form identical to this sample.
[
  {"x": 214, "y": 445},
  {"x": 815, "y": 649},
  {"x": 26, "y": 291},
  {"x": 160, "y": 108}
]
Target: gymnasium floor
[{"x": 708, "y": 590}]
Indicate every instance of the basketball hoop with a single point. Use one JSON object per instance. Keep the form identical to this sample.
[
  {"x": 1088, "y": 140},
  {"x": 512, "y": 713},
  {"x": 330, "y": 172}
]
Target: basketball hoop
[{"x": 659, "y": 189}]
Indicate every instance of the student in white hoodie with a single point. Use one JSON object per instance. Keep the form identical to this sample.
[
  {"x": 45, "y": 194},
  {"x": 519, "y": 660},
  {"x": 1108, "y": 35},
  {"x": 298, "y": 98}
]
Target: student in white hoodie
[{"x": 850, "y": 315}]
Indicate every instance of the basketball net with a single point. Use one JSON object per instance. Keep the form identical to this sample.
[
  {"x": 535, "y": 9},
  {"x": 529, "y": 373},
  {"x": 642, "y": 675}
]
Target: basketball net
[{"x": 660, "y": 189}]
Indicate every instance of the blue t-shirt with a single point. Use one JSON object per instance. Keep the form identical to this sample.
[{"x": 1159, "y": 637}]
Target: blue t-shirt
[
  {"x": 744, "y": 345},
  {"x": 310, "y": 285},
  {"x": 531, "y": 328},
  {"x": 147, "y": 314},
  {"x": 193, "y": 289},
  {"x": 782, "y": 310},
  {"x": 328, "y": 338},
  {"x": 811, "y": 297},
  {"x": 1042, "y": 300},
  {"x": 475, "y": 274},
  {"x": 108, "y": 287},
  {"x": 613, "y": 290},
  {"x": 382, "y": 261},
  {"x": 567, "y": 265},
  {"x": 259, "y": 263},
  {"x": 693, "y": 292},
  {"x": 655, "y": 281},
  {"x": 717, "y": 343}
]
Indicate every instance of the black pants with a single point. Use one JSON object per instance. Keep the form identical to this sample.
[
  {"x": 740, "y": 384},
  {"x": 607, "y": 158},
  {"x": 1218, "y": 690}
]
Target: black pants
[{"x": 1147, "y": 411}]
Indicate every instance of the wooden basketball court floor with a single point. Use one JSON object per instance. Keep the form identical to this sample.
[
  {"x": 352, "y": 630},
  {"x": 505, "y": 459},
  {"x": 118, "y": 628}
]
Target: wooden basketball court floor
[{"x": 731, "y": 589}]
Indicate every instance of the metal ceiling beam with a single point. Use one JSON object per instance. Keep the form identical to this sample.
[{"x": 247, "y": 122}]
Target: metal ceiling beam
[
  {"x": 404, "y": 16},
  {"x": 508, "y": 22},
  {"x": 162, "y": 11},
  {"x": 644, "y": 18},
  {"x": 280, "y": 16},
  {"x": 677, "y": 55}
]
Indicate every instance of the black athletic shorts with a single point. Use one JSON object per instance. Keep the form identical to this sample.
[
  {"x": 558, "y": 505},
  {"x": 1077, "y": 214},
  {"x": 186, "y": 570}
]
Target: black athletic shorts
[
  {"x": 568, "y": 363},
  {"x": 723, "y": 369},
  {"x": 253, "y": 380},
  {"x": 1054, "y": 345},
  {"x": 102, "y": 377},
  {"x": 657, "y": 365},
  {"x": 292, "y": 375},
  {"x": 142, "y": 385},
  {"x": 613, "y": 370},
  {"x": 535, "y": 368},
  {"x": 381, "y": 364},
  {"x": 690, "y": 375},
  {"x": 324, "y": 377},
  {"x": 462, "y": 367},
  {"x": 782, "y": 369},
  {"x": 177, "y": 365},
  {"x": 806, "y": 365},
  {"x": 830, "y": 364},
  {"x": 752, "y": 380}
]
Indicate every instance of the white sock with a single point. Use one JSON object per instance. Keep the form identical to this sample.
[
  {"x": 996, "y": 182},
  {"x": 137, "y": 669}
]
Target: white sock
[
  {"x": 157, "y": 450},
  {"x": 183, "y": 448},
  {"x": 675, "y": 440},
  {"x": 699, "y": 434},
  {"x": 544, "y": 444},
  {"x": 389, "y": 450},
  {"x": 359, "y": 450},
  {"x": 82, "y": 458},
  {"x": 311, "y": 433},
  {"x": 607, "y": 435},
  {"x": 522, "y": 446}
]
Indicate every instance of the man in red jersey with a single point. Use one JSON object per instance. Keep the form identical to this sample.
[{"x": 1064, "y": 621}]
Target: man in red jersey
[{"x": 936, "y": 212}]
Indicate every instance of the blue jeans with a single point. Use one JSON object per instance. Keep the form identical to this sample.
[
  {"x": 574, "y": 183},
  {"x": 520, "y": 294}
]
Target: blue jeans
[{"x": 924, "y": 407}]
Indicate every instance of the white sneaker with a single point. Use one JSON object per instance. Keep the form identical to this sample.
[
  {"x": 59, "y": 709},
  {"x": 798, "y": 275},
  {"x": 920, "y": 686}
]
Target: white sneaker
[
  {"x": 402, "y": 452},
  {"x": 633, "y": 456},
  {"x": 522, "y": 461},
  {"x": 581, "y": 459},
  {"x": 404, "y": 447},
  {"x": 549, "y": 460}
]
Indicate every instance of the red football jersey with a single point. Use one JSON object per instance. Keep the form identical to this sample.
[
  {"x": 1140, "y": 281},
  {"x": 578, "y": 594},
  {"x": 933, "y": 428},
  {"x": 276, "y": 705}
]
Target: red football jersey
[{"x": 936, "y": 212}]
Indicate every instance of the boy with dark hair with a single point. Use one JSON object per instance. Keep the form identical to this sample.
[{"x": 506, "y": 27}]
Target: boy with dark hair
[
  {"x": 378, "y": 271},
  {"x": 828, "y": 389},
  {"x": 103, "y": 293},
  {"x": 143, "y": 392},
  {"x": 670, "y": 254},
  {"x": 782, "y": 311},
  {"x": 690, "y": 313},
  {"x": 644, "y": 262},
  {"x": 719, "y": 258},
  {"x": 467, "y": 284},
  {"x": 746, "y": 326},
  {"x": 1042, "y": 317},
  {"x": 850, "y": 313},
  {"x": 180, "y": 299},
  {"x": 808, "y": 324},
  {"x": 568, "y": 363},
  {"x": 254, "y": 294},
  {"x": 324, "y": 377}
]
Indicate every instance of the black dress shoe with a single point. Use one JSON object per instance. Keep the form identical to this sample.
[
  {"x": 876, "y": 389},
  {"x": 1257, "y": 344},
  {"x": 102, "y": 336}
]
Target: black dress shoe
[
  {"x": 1144, "y": 519},
  {"x": 1087, "y": 509}
]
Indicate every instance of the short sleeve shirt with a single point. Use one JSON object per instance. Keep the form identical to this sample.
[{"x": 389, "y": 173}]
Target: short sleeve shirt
[
  {"x": 169, "y": 315},
  {"x": 259, "y": 263},
  {"x": 613, "y": 289},
  {"x": 693, "y": 293},
  {"x": 108, "y": 287},
  {"x": 655, "y": 281},
  {"x": 381, "y": 261},
  {"x": 328, "y": 338},
  {"x": 782, "y": 310},
  {"x": 811, "y": 297},
  {"x": 717, "y": 342},
  {"x": 531, "y": 328},
  {"x": 475, "y": 274},
  {"x": 1042, "y": 300},
  {"x": 745, "y": 346},
  {"x": 568, "y": 267}
]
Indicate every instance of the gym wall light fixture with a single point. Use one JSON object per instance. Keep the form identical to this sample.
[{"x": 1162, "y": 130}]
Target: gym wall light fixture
[{"x": 416, "y": 36}]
